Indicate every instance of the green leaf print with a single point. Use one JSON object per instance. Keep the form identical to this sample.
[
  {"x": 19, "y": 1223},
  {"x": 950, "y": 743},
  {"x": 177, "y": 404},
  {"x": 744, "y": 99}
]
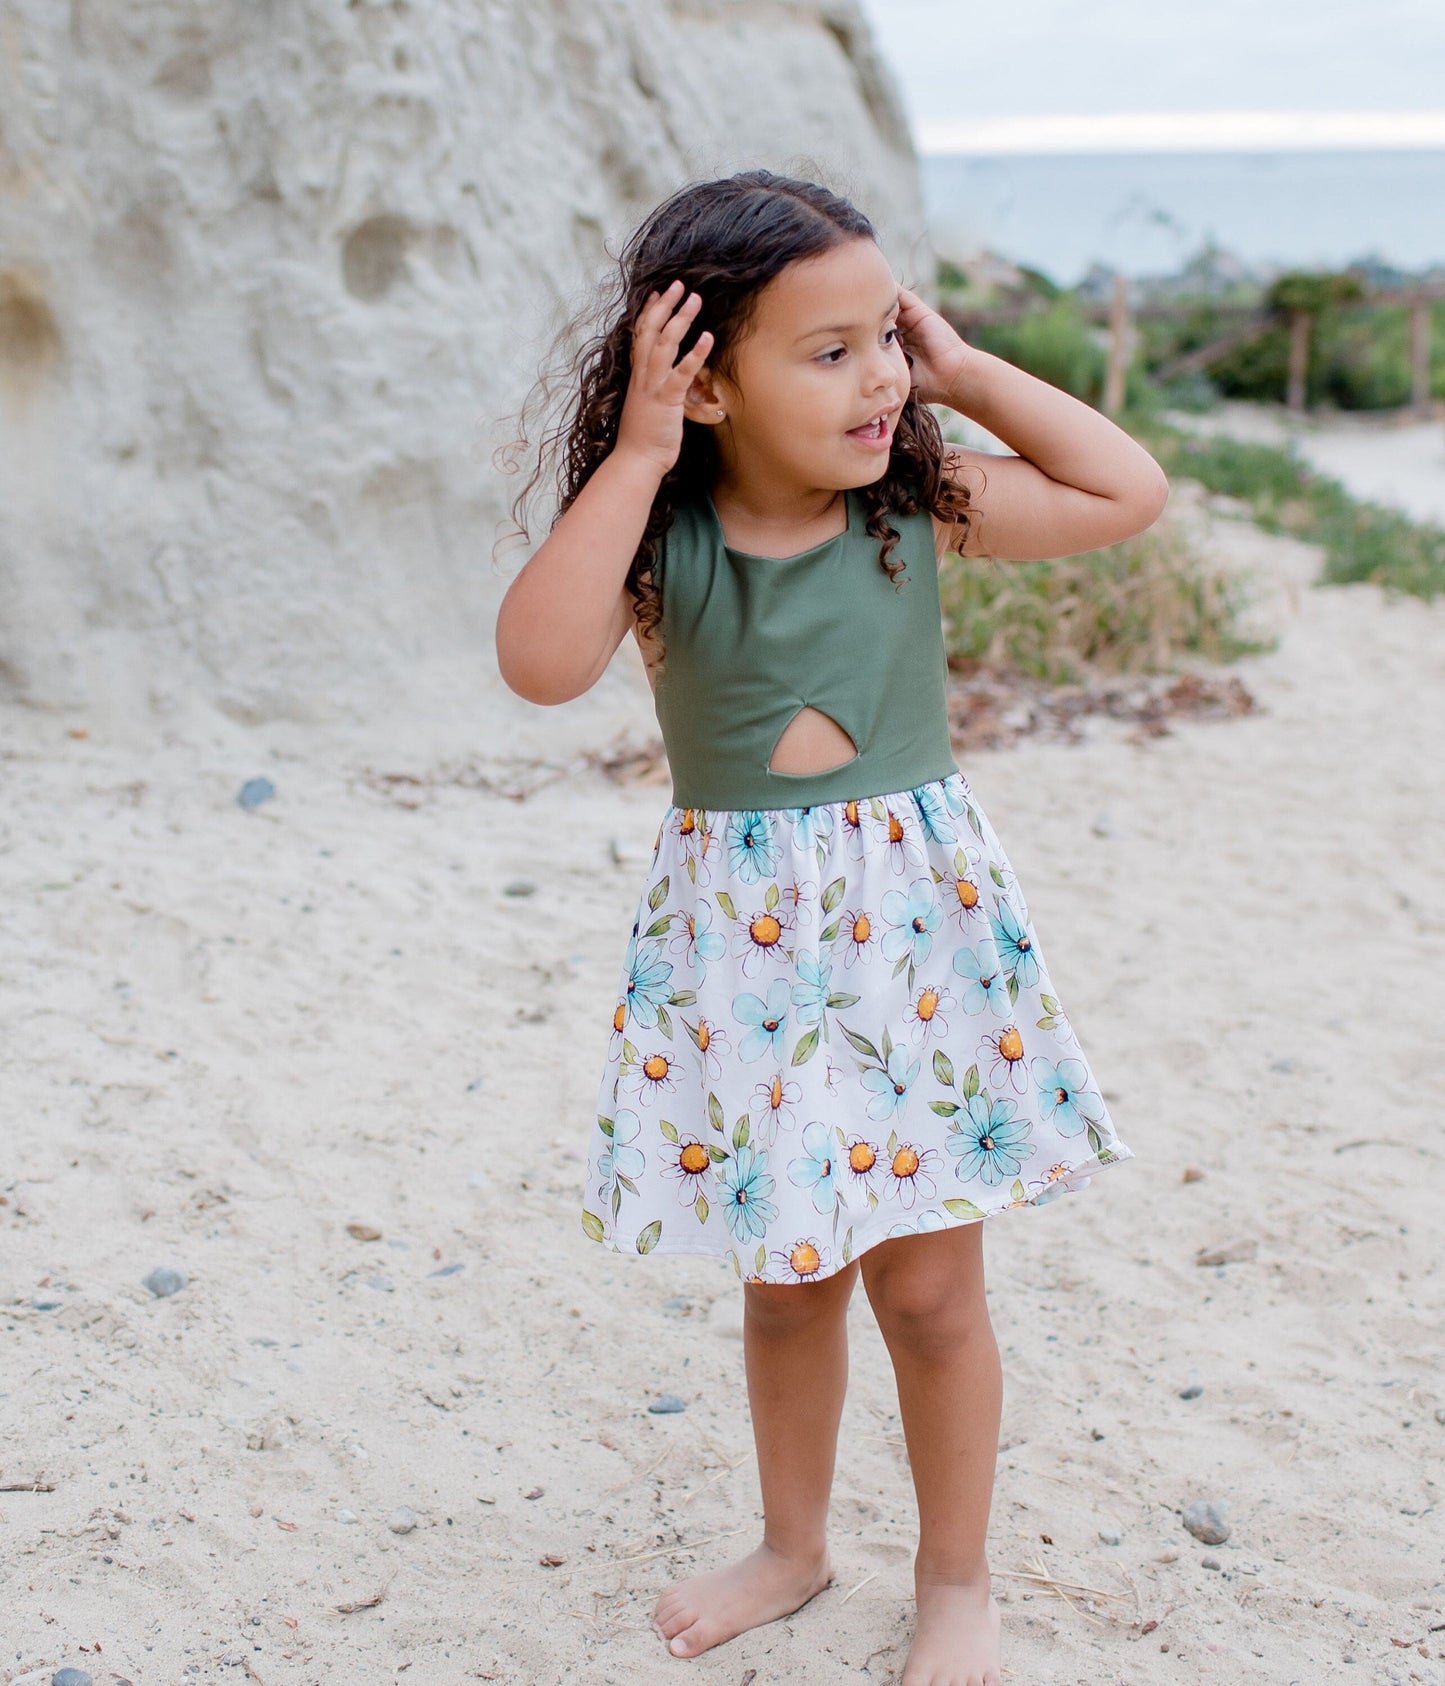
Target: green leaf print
[
  {"x": 861, "y": 1043},
  {"x": 762, "y": 1258},
  {"x": 837, "y": 1001},
  {"x": 664, "y": 1020},
  {"x": 973, "y": 820},
  {"x": 616, "y": 1201},
  {"x": 1012, "y": 986},
  {"x": 692, "y": 868},
  {"x": 682, "y": 998},
  {"x": 944, "y": 1109},
  {"x": 943, "y": 1069},
  {"x": 715, "y": 1113},
  {"x": 668, "y": 1130},
  {"x": 807, "y": 1047},
  {"x": 995, "y": 874},
  {"x": 899, "y": 964},
  {"x": 892, "y": 1143},
  {"x": 626, "y": 1182},
  {"x": 658, "y": 894},
  {"x": 1018, "y": 1191},
  {"x": 848, "y": 1245},
  {"x": 740, "y": 1132},
  {"x": 658, "y": 928},
  {"x": 647, "y": 1239},
  {"x": 885, "y": 1042},
  {"x": 829, "y": 931},
  {"x": 629, "y": 1052},
  {"x": 963, "y": 1209},
  {"x": 1094, "y": 1140},
  {"x": 715, "y": 1153},
  {"x": 725, "y": 902},
  {"x": 842, "y": 1139},
  {"x": 701, "y": 1208},
  {"x": 592, "y": 1224},
  {"x": 605, "y": 1126},
  {"x": 970, "y": 1083},
  {"x": 832, "y": 896},
  {"x": 1106, "y": 1157},
  {"x": 770, "y": 900}
]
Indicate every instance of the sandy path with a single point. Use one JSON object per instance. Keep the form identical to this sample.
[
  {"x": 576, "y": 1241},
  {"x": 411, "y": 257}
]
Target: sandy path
[{"x": 230, "y": 1034}]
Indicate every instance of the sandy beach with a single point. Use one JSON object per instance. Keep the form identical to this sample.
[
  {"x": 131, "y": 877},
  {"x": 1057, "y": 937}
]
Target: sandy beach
[{"x": 239, "y": 1042}]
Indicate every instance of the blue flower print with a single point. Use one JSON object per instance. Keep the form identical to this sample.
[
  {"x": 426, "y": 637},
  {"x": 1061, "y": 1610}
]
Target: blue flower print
[
  {"x": 955, "y": 793},
  {"x": 993, "y": 1143},
  {"x": 811, "y": 826},
  {"x": 921, "y": 1225},
  {"x": 986, "y": 982},
  {"x": 752, "y": 848},
  {"x": 769, "y": 1020},
  {"x": 745, "y": 1187},
  {"x": 1015, "y": 946},
  {"x": 699, "y": 937},
  {"x": 1064, "y": 1100},
  {"x": 810, "y": 994},
  {"x": 933, "y": 813},
  {"x": 647, "y": 980},
  {"x": 816, "y": 1169},
  {"x": 914, "y": 918},
  {"x": 619, "y": 1159},
  {"x": 891, "y": 1084}
]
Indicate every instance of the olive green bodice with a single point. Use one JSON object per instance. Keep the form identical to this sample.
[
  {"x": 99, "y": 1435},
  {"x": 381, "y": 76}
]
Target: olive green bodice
[{"x": 749, "y": 640}]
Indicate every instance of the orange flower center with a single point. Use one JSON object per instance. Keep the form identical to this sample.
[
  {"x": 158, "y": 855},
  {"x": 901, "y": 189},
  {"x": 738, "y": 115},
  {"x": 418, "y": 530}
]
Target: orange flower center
[
  {"x": 928, "y": 1004},
  {"x": 1011, "y": 1044},
  {"x": 765, "y": 930},
  {"x": 905, "y": 1162},
  {"x": 862, "y": 930},
  {"x": 655, "y": 1066},
  {"x": 693, "y": 1158}
]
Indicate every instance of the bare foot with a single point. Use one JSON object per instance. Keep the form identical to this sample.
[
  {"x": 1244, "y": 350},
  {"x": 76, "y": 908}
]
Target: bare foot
[
  {"x": 958, "y": 1638},
  {"x": 705, "y": 1610}
]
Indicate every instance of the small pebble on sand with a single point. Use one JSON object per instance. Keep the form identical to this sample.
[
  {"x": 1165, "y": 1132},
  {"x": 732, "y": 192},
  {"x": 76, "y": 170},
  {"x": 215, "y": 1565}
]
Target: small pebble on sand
[
  {"x": 1205, "y": 1520},
  {"x": 164, "y": 1281}
]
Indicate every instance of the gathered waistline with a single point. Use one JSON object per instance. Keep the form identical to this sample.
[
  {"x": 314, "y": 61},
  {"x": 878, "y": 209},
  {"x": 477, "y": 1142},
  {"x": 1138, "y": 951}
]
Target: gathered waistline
[{"x": 808, "y": 807}]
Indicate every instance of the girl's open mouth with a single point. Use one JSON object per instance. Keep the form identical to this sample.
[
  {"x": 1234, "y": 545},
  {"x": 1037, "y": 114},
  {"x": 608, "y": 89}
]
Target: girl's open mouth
[{"x": 872, "y": 433}]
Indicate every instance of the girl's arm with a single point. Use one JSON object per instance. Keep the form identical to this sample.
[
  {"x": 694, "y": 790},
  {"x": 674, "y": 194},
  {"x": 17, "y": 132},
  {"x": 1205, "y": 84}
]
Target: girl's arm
[
  {"x": 1079, "y": 480},
  {"x": 569, "y": 609},
  {"x": 566, "y": 612}
]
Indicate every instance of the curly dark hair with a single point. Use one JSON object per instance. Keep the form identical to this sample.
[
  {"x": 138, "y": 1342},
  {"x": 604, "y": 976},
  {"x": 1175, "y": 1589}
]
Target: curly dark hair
[{"x": 724, "y": 239}]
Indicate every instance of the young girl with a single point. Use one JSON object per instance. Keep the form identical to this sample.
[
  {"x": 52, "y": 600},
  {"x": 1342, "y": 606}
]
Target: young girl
[{"x": 836, "y": 1046}]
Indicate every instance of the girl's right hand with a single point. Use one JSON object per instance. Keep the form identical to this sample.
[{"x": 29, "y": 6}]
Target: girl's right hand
[{"x": 652, "y": 414}]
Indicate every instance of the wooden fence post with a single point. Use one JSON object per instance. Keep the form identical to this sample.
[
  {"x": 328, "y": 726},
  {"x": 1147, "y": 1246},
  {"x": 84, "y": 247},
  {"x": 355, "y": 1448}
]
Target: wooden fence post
[
  {"x": 1420, "y": 354},
  {"x": 1299, "y": 355},
  {"x": 1120, "y": 337}
]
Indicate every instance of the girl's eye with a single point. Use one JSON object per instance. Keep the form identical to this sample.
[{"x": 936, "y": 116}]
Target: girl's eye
[{"x": 829, "y": 356}]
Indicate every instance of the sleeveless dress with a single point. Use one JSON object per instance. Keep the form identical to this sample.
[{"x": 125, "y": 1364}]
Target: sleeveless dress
[{"x": 834, "y": 1023}]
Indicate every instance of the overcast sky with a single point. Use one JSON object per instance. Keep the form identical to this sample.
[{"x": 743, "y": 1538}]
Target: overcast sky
[{"x": 966, "y": 68}]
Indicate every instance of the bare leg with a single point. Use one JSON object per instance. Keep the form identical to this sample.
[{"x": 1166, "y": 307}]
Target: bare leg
[
  {"x": 927, "y": 1292},
  {"x": 795, "y": 1346}
]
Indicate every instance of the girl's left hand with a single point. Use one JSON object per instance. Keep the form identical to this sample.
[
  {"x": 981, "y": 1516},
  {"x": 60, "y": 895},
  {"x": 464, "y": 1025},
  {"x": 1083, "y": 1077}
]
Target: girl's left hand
[{"x": 937, "y": 351}]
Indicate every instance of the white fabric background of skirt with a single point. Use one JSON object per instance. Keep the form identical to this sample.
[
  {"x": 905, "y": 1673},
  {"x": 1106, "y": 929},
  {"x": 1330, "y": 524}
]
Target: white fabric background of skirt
[{"x": 834, "y": 1025}]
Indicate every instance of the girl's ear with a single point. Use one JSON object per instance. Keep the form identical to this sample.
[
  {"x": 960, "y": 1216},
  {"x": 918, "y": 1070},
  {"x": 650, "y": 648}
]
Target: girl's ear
[{"x": 702, "y": 401}]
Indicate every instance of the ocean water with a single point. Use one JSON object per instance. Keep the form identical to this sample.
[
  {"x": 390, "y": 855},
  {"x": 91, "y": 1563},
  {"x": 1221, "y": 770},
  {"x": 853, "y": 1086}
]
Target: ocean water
[{"x": 1146, "y": 213}]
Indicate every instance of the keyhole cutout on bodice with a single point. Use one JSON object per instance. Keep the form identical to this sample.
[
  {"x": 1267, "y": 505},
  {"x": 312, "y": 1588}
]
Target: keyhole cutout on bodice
[{"x": 811, "y": 742}]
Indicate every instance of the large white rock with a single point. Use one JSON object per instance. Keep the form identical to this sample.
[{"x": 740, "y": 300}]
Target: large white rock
[{"x": 274, "y": 279}]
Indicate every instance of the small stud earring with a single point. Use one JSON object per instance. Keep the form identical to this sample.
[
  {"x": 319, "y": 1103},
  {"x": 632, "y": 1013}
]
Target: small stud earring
[{"x": 722, "y": 412}]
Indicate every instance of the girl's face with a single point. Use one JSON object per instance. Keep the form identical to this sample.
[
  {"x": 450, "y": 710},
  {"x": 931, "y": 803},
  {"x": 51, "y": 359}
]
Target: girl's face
[{"x": 821, "y": 359}]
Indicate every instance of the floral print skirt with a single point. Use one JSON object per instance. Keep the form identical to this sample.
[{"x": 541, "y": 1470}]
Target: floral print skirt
[{"x": 834, "y": 1025}]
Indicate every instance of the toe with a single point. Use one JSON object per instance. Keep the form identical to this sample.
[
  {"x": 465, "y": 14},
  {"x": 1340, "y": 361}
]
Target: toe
[
  {"x": 689, "y": 1642},
  {"x": 676, "y": 1623}
]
